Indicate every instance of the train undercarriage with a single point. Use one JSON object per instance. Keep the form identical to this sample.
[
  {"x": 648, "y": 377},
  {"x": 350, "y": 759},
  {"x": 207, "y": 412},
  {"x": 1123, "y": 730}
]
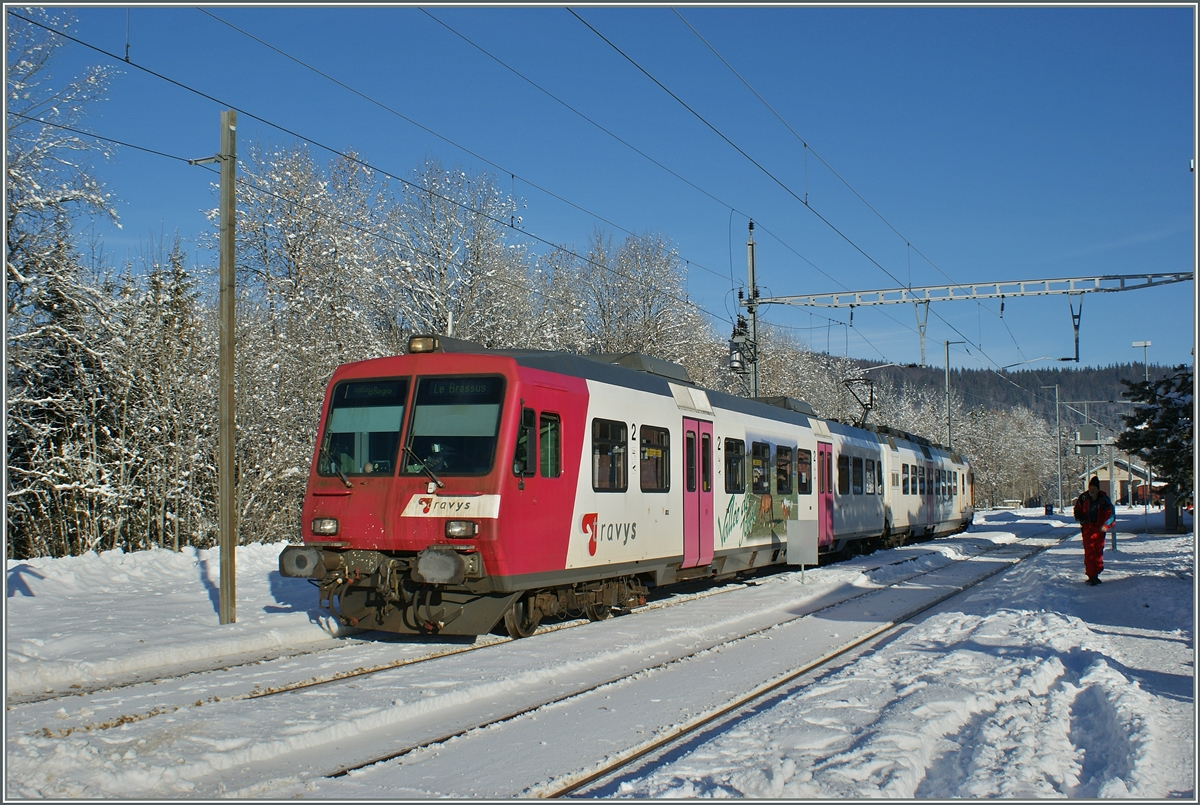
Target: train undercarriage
[{"x": 439, "y": 591}]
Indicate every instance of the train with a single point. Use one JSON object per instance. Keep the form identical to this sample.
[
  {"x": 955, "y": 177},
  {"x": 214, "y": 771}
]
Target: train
[{"x": 458, "y": 490}]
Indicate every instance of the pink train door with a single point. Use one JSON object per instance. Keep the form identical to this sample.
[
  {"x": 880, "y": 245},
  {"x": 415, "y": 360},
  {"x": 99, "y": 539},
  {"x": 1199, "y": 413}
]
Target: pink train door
[
  {"x": 697, "y": 493},
  {"x": 824, "y": 494},
  {"x": 930, "y": 514}
]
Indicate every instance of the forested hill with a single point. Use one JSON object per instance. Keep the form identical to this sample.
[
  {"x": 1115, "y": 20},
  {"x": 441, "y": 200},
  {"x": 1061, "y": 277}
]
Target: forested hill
[{"x": 994, "y": 389}]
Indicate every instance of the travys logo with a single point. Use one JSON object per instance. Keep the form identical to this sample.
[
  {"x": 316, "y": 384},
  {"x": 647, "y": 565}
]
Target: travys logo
[
  {"x": 422, "y": 505},
  {"x": 606, "y": 532},
  {"x": 589, "y": 528}
]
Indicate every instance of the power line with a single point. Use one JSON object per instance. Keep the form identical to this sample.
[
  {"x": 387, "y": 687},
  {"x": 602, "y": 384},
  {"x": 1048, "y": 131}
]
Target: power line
[
  {"x": 457, "y": 145},
  {"x": 95, "y": 136},
  {"x": 362, "y": 163},
  {"x": 500, "y": 168},
  {"x": 255, "y": 187}
]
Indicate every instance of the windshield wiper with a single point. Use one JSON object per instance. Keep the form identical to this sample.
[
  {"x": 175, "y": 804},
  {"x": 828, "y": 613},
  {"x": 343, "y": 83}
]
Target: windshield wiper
[
  {"x": 425, "y": 467},
  {"x": 336, "y": 467}
]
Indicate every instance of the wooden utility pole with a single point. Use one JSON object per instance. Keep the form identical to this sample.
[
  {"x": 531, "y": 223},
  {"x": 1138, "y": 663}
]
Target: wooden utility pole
[
  {"x": 227, "y": 505},
  {"x": 226, "y": 402}
]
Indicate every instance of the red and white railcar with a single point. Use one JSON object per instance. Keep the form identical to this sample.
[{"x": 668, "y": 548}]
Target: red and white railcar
[{"x": 454, "y": 487}]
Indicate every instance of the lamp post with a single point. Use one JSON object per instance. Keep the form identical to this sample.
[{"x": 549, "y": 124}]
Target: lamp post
[
  {"x": 1144, "y": 345},
  {"x": 1149, "y": 476},
  {"x": 1058, "y": 429},
  {"x": 949, "y": 439}
]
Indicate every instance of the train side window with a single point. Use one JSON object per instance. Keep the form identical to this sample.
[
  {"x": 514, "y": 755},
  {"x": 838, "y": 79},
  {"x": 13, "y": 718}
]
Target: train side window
[
  {"x": 856, "y": 479},
  {"x": 523, "y": 457},
  {"x": 879, "y": 477},
  {"x": 760, "y": 460},
  {"x": 783, "y": 470},
  {"x": 870, "y": 479},
  {"x": 705, "y": 463},
  {"x": 904, "y": 480},
  {"x": 843, "y": 475},
  {"x": 656, "y": 459},
  {"x": 610, "y": 456},
  {"x": 735, "y": 466},
  {"x": 689, "y": 461},
  {"x": 937, "y": 483},
  {"x": 804, "y": 472},
  {"x": 550, "y": 443},
  {"x": 921, "y": 477}
]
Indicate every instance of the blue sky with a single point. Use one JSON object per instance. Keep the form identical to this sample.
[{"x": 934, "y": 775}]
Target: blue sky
[{"x": 1000, "y": 143}]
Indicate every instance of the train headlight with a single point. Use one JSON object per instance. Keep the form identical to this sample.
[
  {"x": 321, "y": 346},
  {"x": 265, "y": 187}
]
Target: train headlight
[
  {"x": 461, "y": 529},
  {"x": 439, "y": 566},
  {"x": 325, "y": 526},
  {"x": 422, "y": 343}
]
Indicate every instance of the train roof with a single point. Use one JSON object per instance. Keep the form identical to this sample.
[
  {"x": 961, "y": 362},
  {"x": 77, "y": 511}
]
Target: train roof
[{"x": 654, "y": 375}]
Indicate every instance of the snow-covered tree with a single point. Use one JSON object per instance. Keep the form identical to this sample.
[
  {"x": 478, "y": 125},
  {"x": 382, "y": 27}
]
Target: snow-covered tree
[
  {"x": 635, "y": 298},
  {"x": 446, "y": 262},
  {"x": 1160, "y": 430},
  {"x": 58, "y": 323}
]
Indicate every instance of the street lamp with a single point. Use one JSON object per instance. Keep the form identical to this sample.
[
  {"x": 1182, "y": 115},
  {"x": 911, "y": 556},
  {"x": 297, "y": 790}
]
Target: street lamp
[
  {"x": 1144, "y": 345},
  {"x": 949, "y": 441}
]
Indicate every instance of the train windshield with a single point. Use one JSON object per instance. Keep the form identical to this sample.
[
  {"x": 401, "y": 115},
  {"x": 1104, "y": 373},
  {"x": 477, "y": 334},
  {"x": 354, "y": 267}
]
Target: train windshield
[
  {"x": 363, "y": 431},
  {"x": 455, "y": 421}
]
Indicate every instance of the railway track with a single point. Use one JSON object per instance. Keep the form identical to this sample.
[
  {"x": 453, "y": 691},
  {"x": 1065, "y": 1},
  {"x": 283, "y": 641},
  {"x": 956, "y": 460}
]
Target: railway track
[
  {"x": 673, "y": 734},
  {"x": 44, "y": 714},
  {"x": 22, "y": 710},
  {"x": 679, "y": 733}
]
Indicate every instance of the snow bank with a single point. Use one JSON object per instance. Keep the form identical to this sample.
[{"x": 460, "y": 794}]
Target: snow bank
[{"x": 93, "y": 620}]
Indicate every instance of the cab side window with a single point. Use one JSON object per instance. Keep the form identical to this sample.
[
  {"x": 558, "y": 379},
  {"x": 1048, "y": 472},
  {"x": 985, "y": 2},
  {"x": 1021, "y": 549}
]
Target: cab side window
[{"x": 550, "y": 443}]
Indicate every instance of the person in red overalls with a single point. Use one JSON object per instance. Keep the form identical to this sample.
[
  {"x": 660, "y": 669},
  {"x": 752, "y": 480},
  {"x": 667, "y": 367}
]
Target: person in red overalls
[{"x": 1095, "y": 513}]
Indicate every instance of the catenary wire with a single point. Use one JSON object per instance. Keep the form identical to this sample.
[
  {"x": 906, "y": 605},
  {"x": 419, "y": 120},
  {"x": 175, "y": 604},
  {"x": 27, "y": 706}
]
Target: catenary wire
[
  {"x": 737, "y": 148},
  {"x": 754, "y": 162},
  {"x": 808, "y": 147}
]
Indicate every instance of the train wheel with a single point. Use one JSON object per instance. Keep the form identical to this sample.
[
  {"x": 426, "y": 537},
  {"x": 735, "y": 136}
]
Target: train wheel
[
  {"x": 597, "y": 612},
  {"x": 521, "y": 620}
]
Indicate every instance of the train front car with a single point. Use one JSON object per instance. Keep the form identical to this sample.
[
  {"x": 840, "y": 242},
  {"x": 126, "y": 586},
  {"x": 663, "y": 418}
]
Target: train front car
[{"x": 401, "y": 517}]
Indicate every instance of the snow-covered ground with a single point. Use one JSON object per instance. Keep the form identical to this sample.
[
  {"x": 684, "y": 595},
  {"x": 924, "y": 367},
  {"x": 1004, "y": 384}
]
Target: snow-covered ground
[{"x": 1032, "y": 684}]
